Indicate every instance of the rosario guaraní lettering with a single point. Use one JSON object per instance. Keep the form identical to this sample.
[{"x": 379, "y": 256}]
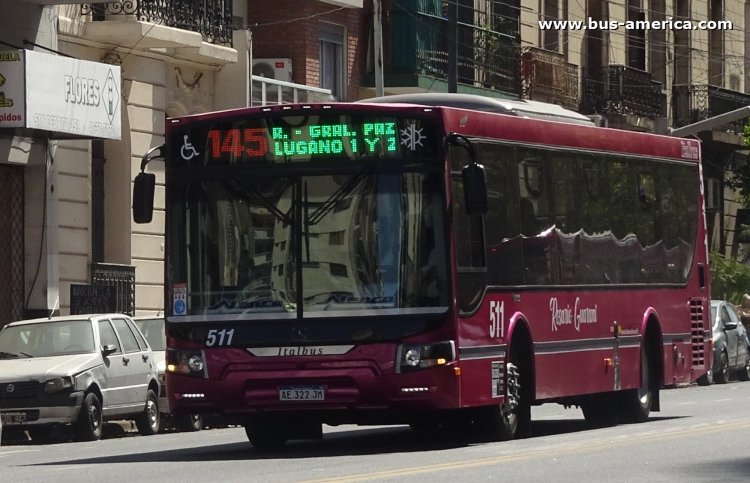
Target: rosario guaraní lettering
[{"x": 576, "y": 316}]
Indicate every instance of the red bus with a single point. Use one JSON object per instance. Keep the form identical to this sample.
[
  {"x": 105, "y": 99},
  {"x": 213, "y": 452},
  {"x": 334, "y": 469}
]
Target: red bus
[{"x": 432, "y": 265}]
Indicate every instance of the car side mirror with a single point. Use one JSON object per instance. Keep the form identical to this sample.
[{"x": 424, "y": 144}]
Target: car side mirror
[
  {"x": 730, "y": 325},
  {"x": 108, "y": 349}
]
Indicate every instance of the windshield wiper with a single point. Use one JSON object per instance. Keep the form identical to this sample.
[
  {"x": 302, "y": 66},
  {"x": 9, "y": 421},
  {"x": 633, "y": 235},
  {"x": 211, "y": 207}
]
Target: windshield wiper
[
  {"x": 337, "y": 196},
  {"x": 248, "y": 190},
  {"x": 10, "y": 355}
]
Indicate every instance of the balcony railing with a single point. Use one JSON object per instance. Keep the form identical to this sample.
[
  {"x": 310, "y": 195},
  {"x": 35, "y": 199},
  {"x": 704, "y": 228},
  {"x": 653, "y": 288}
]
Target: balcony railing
[
  {"x": 618, "y": 89},
  {"x": 693, "y": 103},
  {"x": 547, "y": 77},
  {"x": 271, "y": 91},
  {"x": 211, "y": 18}
]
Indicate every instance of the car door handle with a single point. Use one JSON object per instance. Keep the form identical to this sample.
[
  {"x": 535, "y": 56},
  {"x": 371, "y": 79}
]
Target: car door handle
[
  {"x": 145, "y": 357},
  {"x": 125, "y": 360}
]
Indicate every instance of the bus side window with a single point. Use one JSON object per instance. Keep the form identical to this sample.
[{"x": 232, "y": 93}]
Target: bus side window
[{"x": 530, "y": 225}]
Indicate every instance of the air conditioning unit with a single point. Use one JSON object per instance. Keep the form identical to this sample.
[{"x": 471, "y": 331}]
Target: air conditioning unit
[{"x": 278, "y": 69}]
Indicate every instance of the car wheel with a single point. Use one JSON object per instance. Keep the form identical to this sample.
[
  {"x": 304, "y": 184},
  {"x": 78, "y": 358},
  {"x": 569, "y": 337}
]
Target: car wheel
[
  {"x": 148, "y": 421},
  {"x": 89, "y": 424},
  {"x": 722, "y": 375},
  {"x": 189, "y": 422},
  {"x": 706, "y": 379},
  {"x": 744, "y": 373}
]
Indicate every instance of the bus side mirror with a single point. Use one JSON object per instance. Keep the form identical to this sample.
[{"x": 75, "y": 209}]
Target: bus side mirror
[
  {"x": 143, "y": 197},
  {"x": 475, "y": 189}
]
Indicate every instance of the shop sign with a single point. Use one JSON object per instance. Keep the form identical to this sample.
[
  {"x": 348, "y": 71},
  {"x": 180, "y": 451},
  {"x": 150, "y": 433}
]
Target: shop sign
[
  {"x": 61, "y": 95},
  {"x": 12, "y": 89},
  {"x": 72, "y": 96}
]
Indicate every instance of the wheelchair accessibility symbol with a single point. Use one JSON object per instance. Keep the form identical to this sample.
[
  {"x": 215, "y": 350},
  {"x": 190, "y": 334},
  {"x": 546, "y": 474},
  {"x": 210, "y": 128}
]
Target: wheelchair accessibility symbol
[{"x": 188, "y": 151}]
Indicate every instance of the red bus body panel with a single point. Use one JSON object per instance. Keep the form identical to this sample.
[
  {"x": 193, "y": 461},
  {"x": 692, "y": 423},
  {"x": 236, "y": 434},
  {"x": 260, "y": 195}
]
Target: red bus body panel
[{"x": 584, "y": 341}]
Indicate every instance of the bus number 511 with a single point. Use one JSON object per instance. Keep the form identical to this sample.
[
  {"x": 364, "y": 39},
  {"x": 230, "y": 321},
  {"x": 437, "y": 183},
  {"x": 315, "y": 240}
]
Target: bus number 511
[
  {"x": 497, "y": 318},
  {"x": 219, "y": 337}
]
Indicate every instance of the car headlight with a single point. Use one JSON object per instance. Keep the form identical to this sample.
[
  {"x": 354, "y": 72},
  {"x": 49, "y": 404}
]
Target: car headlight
[
  {"x": 58, "y": 384},
  {"x": 414, "y": 357},
  {"x": 186, "y": 362}
]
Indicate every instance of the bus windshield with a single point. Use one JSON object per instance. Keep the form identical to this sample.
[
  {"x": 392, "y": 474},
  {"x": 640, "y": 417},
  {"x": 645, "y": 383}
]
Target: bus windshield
[{"x": 311, "y": 245}]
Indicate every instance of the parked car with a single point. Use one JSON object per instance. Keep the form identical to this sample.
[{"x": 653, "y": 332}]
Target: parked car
[
  {"x": 77, "y": 371},
  {"x": 731, "y": 345},
  {"x": 153, "y": 329}
]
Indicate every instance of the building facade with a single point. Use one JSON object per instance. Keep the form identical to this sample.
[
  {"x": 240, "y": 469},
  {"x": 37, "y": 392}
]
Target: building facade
[
  {"x": 68, "y": 220},
  {"x": 67, "y": 198}
]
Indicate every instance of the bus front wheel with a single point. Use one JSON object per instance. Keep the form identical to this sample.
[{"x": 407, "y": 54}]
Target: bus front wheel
[{"x": 511, "y": 420}]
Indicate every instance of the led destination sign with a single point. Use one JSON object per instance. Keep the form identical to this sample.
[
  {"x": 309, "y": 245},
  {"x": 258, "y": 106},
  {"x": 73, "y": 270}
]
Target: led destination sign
[
  {"x": 334, "y": 139},
  {"x": 280, "y": 140}
]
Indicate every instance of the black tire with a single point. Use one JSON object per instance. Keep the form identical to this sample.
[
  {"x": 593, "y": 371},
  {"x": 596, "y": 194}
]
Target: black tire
[
  {"x": 722, "y": 375},
  {"x": 635, "y": 404},
  {"x": 744, "y": 373},
  {"x": 508, "y": 421},
  {"x": 189, "y": 422},
  {"x": 264, "y": 435},
  {"x": 89, "y": 424},
  {"x": 706, "y": 379},
  {"x": 497, "y": 423},
  {"x": 148, "y": 420}
]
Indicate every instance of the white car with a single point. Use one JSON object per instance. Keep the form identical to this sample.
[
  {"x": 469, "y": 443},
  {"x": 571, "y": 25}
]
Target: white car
[
  {"x": 153, "y": 329},
  {"x": 77, "y": 370}
]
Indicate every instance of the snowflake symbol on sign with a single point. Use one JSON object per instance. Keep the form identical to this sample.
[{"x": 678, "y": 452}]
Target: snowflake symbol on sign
[{"x": 412, "y": 137}]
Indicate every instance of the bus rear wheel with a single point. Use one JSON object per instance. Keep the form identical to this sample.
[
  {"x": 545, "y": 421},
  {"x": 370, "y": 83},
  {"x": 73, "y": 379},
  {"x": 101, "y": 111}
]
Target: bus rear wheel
[
  {"x": 636, "y": 403},
  {"x": 264, "y": 435}
]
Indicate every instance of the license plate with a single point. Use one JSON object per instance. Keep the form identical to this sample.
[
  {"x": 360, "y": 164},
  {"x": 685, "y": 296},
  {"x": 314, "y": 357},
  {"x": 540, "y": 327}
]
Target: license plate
[
  {"x": 302, "y": 393},
  {"x": 13, "y": 418}
]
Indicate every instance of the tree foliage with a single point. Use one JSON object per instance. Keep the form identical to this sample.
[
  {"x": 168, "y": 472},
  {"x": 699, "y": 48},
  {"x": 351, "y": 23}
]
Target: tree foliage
[
  {"x": 739, "y": 180},
  {"x": 730, "y": 279}
]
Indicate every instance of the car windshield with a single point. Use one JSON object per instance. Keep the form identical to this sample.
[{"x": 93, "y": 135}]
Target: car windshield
[
  {"x": 47, "y": 339},
  {"x": 153, "y": 330}
]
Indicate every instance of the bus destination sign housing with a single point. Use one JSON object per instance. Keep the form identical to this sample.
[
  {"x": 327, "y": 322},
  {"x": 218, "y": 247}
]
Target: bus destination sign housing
[{"x": 309, "y": 138}]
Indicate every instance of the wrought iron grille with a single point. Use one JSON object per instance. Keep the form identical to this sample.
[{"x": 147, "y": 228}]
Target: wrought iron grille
[
  {"x": 547, "y": 77},
  {"x": 210, "y": 18},
  {"x": 11, "y": 244},
  {"x": 693, "y": 103},
  {"x": 123, "y": 278},
  {"x": 619, "y": 89}
]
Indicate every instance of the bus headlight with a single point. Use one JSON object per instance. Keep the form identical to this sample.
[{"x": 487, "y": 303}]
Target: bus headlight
[
  {"x": 415, "y": 357},
  {"x": 186, "y": 362}
]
